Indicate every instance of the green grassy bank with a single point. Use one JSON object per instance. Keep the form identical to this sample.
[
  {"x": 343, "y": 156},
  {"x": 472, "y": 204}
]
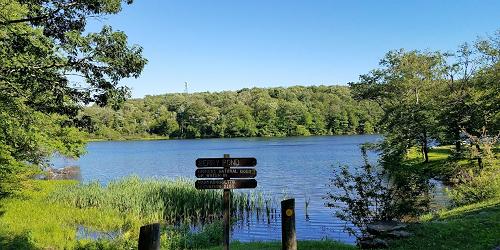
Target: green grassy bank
[
  {"x": 475, "y": 226},
  {"x": 50, "y": 214}
]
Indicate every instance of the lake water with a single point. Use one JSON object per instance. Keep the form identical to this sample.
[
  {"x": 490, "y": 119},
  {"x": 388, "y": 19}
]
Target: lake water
[{"x": 298, "y": 167}]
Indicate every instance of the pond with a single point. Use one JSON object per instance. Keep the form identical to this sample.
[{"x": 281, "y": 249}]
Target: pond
[{"x": 298, "y": 167}]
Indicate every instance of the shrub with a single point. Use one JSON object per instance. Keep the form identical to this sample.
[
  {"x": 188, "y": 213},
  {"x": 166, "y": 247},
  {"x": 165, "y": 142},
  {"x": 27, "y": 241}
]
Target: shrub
[{"x": 476, "y": 187}]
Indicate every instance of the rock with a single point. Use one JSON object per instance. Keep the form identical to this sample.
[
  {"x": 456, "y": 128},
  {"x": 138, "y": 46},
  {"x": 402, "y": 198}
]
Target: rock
[
  {"x": 66, "y": 173},
  {"x": 399, "y": 234},
  {"x": 371, "y": 243},
  {"x": 384, "y": 227},
  {"x": 496, "y": 248}
]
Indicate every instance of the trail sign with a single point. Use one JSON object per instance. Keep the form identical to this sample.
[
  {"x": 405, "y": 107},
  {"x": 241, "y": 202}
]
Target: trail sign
[
  {"x": 226, "y": 168},
  {"x": 226, "y": 173},
  {"x": 225, "y": 162},
  {"x": 225, "y": 184}
]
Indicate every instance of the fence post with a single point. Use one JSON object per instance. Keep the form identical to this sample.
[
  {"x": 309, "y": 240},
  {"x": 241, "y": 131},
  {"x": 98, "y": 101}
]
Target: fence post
[
  {"x": 288, "y": 235},
  {"x": 149, "y": 237}
]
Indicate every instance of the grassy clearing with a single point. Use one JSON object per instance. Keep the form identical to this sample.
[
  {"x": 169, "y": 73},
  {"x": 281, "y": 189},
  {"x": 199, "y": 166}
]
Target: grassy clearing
[{"x": 437, "y": 166}]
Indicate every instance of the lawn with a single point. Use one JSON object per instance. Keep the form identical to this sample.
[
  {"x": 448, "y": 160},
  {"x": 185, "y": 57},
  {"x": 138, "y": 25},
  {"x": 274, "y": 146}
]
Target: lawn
[{"x": 475, "y": 226}]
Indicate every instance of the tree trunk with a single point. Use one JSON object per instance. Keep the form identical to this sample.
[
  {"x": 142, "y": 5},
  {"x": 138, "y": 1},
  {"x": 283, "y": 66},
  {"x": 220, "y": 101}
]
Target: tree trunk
[
  {"x": 458, "y": 143},
  {"x": 426, "y": 153},
  {"x": 425, "y": 148},
  {"x": 479, "y": 158}
]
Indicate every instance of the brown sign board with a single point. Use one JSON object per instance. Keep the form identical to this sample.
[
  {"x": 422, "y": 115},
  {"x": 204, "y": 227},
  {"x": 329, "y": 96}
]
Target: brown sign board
[
  {"x": 226, "y": 162},
  {"x": 225, "y": 184},
  {"x": 226, "y": 173}
]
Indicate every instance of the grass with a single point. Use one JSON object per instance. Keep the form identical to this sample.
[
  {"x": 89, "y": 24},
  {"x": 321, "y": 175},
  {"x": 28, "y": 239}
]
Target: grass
[
  {"x": 46, "y": 214},
  {"x": 437, "y": 166},
  {"x": 30, "y": 221},
  {"x": 171, "y": 201},
  {"x": 475, "y": 226}
]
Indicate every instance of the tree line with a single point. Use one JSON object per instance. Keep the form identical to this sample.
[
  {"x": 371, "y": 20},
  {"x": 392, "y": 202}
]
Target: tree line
[{"x": 265, "y": 112}]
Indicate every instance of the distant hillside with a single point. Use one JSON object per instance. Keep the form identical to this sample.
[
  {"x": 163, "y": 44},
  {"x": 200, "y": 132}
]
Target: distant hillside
[{"x": 292, "y": 111}]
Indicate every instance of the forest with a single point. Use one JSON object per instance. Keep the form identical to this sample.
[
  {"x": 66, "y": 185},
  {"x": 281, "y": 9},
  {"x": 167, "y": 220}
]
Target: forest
[{"x": 263, "y": 112}]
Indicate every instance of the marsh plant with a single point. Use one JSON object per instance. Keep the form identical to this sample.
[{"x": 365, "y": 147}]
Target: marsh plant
[{"x": 168, "y": 201}]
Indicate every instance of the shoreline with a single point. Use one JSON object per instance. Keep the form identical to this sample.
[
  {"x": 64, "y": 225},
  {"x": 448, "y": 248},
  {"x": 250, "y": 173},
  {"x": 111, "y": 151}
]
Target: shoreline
[{"x": 165, "y": 138}]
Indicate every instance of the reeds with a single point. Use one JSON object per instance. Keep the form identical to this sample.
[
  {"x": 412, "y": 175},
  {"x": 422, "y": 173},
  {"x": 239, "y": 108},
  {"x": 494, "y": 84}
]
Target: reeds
[{"x": 170, "y": 201}]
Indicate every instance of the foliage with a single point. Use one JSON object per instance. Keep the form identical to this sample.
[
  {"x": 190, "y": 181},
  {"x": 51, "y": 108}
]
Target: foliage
[
  {"x": 293, "y": 111},
  {"x": 371, "y": 194},
  {"x": 405, "y": 87},
  {"x": 49, "y": 69},
  {"x": 482, "y": 186},
  {"x": 360, "y": 199},
  {"x": 432, "y": 96},
  {"x": 478, "y": 178}
]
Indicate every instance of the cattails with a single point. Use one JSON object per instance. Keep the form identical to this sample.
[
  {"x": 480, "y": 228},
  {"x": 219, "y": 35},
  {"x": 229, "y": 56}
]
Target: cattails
[{"x": 171, "y": 201}]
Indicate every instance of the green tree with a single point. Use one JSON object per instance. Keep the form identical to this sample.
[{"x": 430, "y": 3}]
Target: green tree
[
  {"x": 239, "y": 121},
  {"x": 406, "y": 86},
  {"x": 165, "y": 123},
  {"x": 43, "y": 44}
]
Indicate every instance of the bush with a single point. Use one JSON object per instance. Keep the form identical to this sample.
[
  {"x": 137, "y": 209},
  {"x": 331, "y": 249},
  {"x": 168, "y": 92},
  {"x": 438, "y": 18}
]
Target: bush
[{"x": 476, "y": 187}]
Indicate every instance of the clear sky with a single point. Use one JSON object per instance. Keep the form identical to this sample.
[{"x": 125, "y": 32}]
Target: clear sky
[{"x": 227, "y": 45}]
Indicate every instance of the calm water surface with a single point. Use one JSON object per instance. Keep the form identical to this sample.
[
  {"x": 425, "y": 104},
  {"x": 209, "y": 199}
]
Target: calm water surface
[{"x": 299, "y": 167}]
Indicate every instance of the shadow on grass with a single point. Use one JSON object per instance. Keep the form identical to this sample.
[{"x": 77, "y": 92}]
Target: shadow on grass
[
  {"x": 9, "y": 241},
  {"x": 441, "y": 151},
  {"x": 21, "y": 241},
  {"x": 474, "y": 227}
]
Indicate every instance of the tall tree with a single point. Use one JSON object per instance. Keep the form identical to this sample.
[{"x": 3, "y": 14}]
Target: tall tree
[
  {"x": 50, "y": 69},
  {"x": 405, "y": 88}
]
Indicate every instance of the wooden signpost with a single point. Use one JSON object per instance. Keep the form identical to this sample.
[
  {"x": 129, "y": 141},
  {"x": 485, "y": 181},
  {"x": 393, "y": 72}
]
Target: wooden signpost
[
  {"x": 226, "y": 173},
  {"x": 226, "y": 168}
]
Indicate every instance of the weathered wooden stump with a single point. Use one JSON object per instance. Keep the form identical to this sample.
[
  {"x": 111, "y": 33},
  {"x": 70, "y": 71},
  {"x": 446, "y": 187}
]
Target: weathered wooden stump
[
  {"x": 149, "y": 237},
  {"x": 288, "y": 235}
]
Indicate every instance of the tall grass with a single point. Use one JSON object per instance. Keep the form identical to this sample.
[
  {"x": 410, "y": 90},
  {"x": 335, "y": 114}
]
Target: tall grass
[{"x": 169, "y": 201}]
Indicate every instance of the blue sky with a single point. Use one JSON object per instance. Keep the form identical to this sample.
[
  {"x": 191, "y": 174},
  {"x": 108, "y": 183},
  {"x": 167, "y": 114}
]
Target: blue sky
[{"x": 228, "y": 45}]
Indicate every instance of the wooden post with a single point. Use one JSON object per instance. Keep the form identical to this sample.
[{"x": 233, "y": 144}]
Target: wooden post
[
  {"x": 288, "y": 235},
  {"x": 227, "y": 211},
  {"x": 149, "y": 237}
]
